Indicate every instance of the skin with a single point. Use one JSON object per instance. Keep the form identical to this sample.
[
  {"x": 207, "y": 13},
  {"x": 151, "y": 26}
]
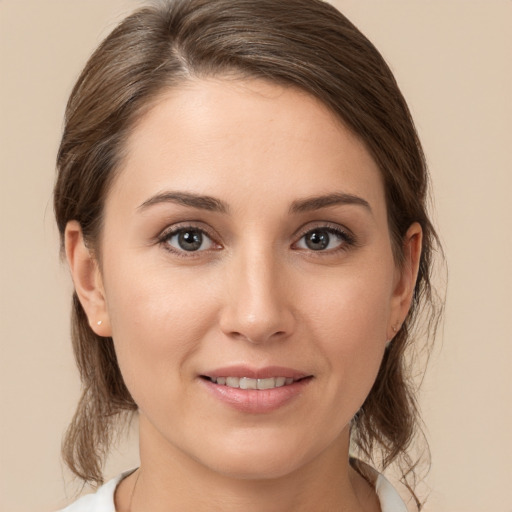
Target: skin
[{"x": 254, "y": 294}]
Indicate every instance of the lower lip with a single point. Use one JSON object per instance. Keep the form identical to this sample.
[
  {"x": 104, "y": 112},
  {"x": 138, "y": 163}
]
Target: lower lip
[{"x": 256, "y": 401}]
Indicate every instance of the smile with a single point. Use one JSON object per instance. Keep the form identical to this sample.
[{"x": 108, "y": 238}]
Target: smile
[
  {"x": 257, "y": 394},
  {"x": 250, "y": 383}
]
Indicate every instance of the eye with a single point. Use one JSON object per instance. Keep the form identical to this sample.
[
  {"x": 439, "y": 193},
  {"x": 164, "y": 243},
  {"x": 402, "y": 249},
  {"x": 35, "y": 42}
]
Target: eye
[
  {"x": 324, "y": 239},
  {"x": 188, "y": 239}
]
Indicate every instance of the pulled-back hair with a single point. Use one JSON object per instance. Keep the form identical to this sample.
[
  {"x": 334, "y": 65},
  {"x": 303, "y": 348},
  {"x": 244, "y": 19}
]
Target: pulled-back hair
[{"x": 307, "y": 44}]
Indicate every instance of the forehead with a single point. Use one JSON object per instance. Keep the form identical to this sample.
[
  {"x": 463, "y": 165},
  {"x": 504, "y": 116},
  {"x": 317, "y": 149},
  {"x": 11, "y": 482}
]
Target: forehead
[{"x": 232, "y": 137}]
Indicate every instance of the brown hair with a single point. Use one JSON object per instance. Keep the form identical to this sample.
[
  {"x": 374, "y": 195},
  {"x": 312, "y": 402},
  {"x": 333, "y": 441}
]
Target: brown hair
[{"x": 304, "y": 43}]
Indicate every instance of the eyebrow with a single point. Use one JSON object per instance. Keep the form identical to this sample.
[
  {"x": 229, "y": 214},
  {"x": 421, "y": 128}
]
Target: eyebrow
[
  {"x": 213, "y": 204},
  {"x": 319, "y": 202},
  {"x": 187, "y": 199}
]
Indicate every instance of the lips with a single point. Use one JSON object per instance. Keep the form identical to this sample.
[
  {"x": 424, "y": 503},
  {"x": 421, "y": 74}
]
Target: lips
[
  {"x": 255, "y": 390},
  {"x": 242, "y": 371}
]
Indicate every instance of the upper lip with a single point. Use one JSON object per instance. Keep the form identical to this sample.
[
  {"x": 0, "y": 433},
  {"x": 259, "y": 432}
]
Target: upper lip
[{"x": 255, "y": 373}]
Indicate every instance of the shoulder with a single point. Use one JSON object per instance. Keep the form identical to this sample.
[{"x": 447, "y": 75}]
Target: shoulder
[{"x": 101, "y": 501}]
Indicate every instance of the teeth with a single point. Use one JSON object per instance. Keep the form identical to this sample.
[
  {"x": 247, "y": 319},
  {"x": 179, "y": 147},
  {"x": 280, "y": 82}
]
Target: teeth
[
  {"x": 280, "y": 381},
  {"x": 233, "y": 382},
  {"x": 248, "y": 383},
  {"x": 266, "y": 383}
]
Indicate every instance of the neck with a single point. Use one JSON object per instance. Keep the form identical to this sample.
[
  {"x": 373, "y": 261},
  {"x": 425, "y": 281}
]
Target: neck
[{"x": 169, "y": 479}]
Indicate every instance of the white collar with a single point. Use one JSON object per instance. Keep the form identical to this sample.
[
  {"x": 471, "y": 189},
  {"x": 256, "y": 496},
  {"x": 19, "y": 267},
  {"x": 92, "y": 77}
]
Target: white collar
[
  {"x": 103, "y": 499},
  {"x": 390, "y": 500}
]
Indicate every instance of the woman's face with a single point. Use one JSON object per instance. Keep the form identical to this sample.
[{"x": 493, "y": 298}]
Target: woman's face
[{"x": 246, "y": 238}]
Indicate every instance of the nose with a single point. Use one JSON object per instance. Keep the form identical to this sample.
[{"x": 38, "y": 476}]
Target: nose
[{"x": 257, "y": 307}]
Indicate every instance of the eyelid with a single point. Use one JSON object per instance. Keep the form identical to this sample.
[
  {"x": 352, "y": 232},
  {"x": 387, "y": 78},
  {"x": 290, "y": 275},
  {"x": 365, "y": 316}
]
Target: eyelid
[
  {"x": 346, "y": 234},
  {"x": 174, "y": 229},
  {"x": 334, "y": 226}
]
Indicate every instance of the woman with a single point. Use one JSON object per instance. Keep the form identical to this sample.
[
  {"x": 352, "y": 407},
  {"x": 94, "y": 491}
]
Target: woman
[{"x": 241, "y": 200}]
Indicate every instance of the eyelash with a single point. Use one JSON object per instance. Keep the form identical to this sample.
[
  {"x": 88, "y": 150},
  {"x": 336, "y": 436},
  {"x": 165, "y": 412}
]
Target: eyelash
[
  {"x": 168, "y": 234},
  {"x": 347, "y": 239}
]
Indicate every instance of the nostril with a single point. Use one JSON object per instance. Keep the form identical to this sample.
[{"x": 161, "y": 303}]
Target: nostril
[
  {"x": 254, "y": 336},
  {"x": 256, "y": 321}
]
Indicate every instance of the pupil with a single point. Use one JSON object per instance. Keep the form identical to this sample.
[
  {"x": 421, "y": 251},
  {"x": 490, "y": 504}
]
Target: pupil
[
  {"x": 190, "y": 240},
  {"x": 317, "y": 240}
]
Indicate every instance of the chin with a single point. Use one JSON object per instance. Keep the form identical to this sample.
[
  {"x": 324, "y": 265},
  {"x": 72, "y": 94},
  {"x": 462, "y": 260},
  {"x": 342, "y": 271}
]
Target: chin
[
  {"x": 246, "y": 467},
  {"x": 259, "y": 458}
]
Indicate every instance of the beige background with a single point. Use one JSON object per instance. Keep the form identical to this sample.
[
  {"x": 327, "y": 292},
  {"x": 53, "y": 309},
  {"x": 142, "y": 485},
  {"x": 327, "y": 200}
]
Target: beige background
[{"x": 452, "y": 59}]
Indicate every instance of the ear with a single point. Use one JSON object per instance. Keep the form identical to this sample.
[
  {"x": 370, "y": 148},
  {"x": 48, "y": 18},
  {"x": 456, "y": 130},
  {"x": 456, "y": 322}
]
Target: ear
[
  {"x": 405, "y": 280},
  {"x": 87, "y": 279}
]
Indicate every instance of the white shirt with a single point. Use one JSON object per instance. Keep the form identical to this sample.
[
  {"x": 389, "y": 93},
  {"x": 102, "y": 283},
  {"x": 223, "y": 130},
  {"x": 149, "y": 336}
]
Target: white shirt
[{"x": 103, "y": 499}]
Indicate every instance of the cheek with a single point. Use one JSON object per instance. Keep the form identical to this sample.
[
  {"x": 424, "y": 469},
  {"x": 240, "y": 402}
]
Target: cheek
[
  {"x": 349, "y": 320},
  {"x": 158, "y": 322},
  {"x": 354, "y": 306}
]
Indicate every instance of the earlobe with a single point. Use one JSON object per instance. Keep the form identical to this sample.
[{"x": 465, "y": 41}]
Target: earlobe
[
  {"x": 406, "y": 278},
  {"x": 87, "y": 279}
]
